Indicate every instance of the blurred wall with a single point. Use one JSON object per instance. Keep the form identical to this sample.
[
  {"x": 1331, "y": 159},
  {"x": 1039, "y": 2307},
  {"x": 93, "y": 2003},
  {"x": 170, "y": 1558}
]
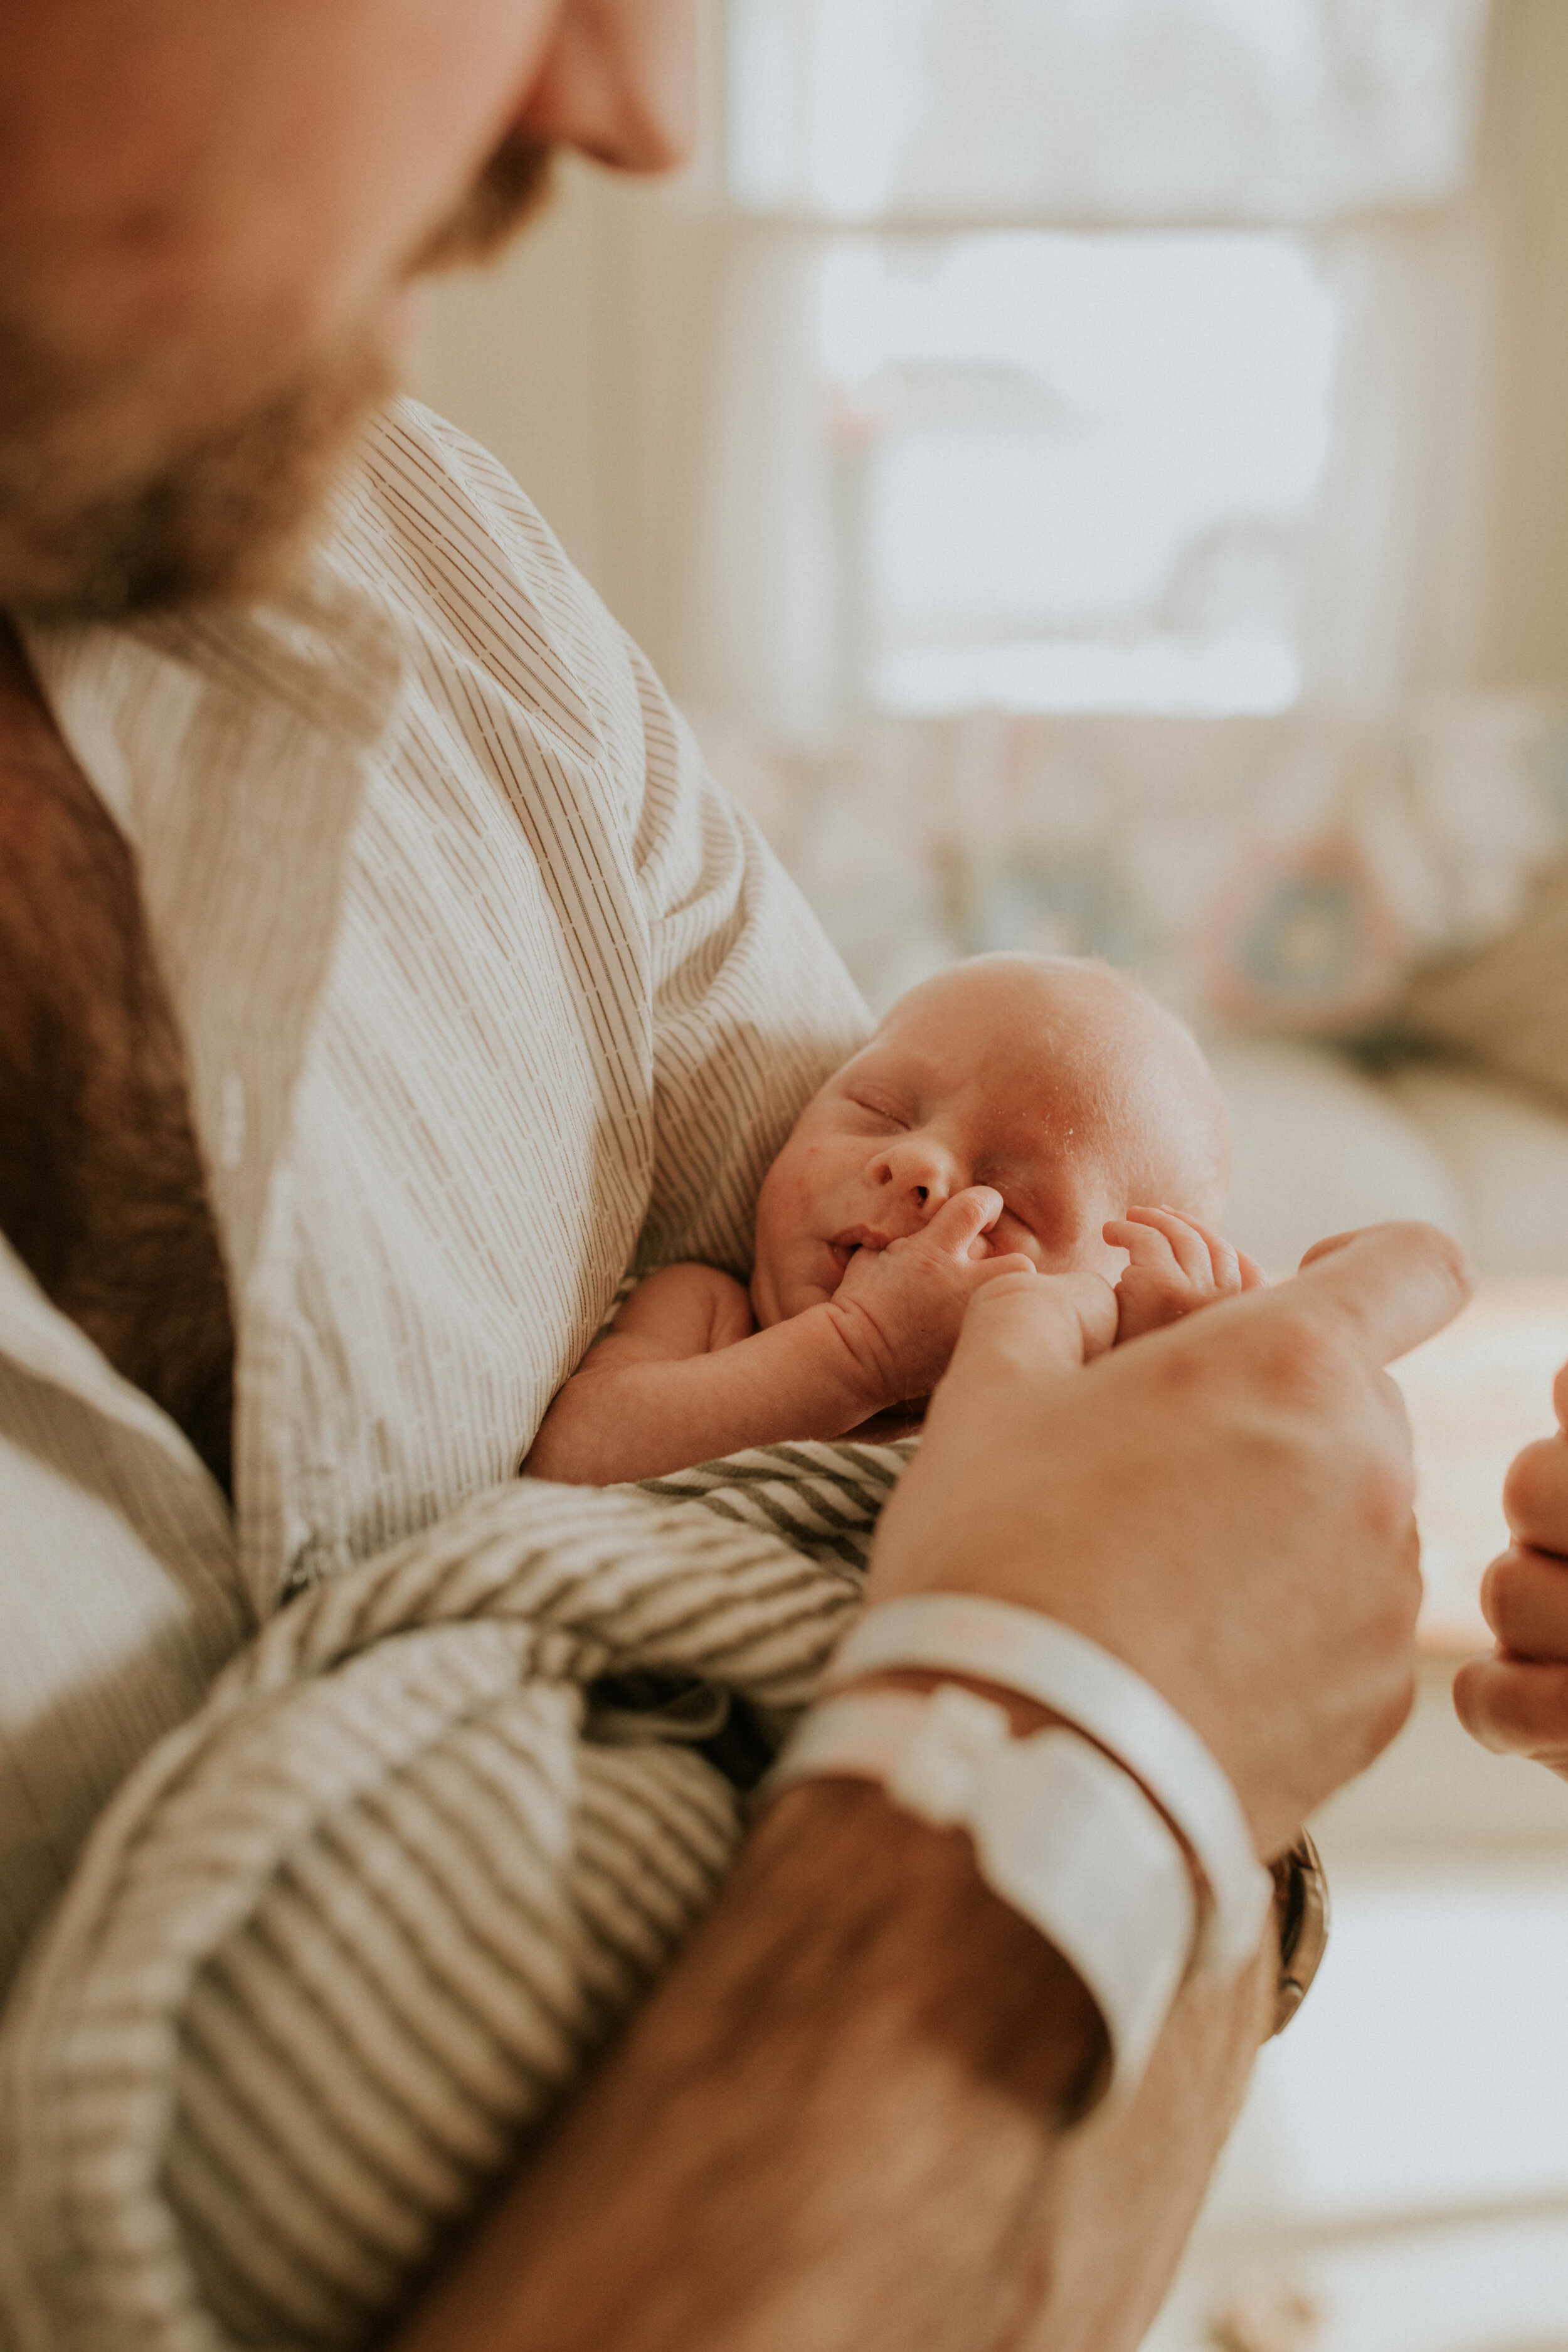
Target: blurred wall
[
  {"x": 1525, "y": 185},
  {"x": 584, "y": 360}
]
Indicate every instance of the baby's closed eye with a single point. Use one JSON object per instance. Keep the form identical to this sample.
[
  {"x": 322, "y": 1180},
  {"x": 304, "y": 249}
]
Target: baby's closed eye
[{"x": 876, "y": 1110}]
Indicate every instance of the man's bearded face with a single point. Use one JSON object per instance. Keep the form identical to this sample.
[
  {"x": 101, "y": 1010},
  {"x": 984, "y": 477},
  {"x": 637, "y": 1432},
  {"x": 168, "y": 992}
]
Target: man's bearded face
[{"x": 85, "y": 533}]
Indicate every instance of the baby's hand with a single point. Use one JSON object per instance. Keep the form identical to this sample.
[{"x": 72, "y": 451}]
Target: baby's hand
[
  {"x": 899, "y": 1309},
  {"x": 1177, "y": 1265}
]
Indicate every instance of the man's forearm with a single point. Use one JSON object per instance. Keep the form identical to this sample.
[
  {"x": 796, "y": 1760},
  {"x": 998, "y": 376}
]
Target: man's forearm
[{"x": 840, "y": 2122}]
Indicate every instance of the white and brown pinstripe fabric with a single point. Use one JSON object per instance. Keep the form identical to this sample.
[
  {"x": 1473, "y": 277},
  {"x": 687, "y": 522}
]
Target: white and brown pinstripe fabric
[
  {"x": 486, "y": 989},
  {"x": 348, "y": 1937}
]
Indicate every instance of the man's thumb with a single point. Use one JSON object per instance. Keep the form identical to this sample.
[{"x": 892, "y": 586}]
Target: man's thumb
[
  {"x": 1032, "y": 1327},
  {"x": 1391, "y": 1286}
]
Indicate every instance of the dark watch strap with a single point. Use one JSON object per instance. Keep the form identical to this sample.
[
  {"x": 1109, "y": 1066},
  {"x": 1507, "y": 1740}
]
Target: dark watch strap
[{"x": 1301, "y": 1893}]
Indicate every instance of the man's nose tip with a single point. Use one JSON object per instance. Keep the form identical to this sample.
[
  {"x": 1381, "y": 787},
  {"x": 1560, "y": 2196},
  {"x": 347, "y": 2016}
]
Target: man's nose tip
[{"x": 620, "y": 83}]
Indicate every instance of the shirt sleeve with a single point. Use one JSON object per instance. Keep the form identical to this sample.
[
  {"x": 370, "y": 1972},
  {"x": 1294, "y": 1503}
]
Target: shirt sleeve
[{"x": 751, "y": 1007}]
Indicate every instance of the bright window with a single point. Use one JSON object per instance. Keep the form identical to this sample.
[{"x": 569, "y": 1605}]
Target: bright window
[
  {"x": 1074, "y": 333},
  {"x": 1074, "y": 472}
]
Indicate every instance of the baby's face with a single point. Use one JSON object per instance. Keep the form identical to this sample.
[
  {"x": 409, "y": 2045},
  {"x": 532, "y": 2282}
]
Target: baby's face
[{"x": 1060, "y": 1085}]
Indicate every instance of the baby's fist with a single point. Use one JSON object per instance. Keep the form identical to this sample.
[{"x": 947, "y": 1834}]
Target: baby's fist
[
  {"x": 1176, "y": 1265},
  {"x": 900, "y": 1308}
]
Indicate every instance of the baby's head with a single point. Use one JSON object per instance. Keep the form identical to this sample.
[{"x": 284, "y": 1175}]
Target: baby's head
[{"x": 1062, "y": 1084}]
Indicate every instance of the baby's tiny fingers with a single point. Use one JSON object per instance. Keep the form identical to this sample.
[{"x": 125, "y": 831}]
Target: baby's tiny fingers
[
  {"x": 1225, "y": 1266},
  {"x": 1224, "y": 1258},
  {"x": 1233, "y": 1269},
  {"x": 1189, "y": 1244},
  {"x": 1145, "y": 1244},
  {"x": 963, "y": 1219}
]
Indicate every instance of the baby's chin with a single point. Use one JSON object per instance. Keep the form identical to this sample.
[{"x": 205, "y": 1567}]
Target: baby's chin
[{"x": 764, "y": 1294}]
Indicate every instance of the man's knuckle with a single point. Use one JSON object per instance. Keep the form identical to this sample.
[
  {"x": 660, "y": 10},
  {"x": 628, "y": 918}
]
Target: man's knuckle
[
  {"x": 1303, "y": 1363},
  {"x": 1384, "y": 1494},
  {"x": 1471, "y": 1692}
]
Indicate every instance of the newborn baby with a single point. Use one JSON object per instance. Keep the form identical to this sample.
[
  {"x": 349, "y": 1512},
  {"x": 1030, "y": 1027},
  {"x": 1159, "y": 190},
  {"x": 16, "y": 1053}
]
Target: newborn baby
[{"x": 1016, "y": 1114}]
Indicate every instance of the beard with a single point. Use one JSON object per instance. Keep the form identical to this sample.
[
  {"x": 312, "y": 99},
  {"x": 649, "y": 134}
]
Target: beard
[
  {"x": 223, "y": 513},
  {"x": 513, "y": 185}
]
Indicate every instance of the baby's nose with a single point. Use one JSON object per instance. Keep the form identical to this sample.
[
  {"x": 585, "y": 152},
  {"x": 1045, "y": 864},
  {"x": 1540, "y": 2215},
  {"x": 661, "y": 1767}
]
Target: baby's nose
[{"x": 921, "y": 1171}]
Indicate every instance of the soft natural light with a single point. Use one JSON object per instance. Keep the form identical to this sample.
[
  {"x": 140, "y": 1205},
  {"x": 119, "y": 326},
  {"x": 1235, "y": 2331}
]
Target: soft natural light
[
  {"x": 1408, "y": 2087},
  {"x": 1104, "y": 110},
  {"x": 1075, "y": 470},
  {"x": 1165, "y": 676},
  {"x": 1402, "y": 2161}
]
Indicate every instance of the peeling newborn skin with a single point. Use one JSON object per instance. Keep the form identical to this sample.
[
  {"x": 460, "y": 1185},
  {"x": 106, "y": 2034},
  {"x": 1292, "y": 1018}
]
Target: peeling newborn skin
[
  {"x": 1059, "y": 1085},
  {"x": 1015, "y": 1117}
]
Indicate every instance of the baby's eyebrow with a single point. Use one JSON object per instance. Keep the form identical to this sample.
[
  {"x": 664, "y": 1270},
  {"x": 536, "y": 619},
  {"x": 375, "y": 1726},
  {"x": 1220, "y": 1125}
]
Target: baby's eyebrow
[
  {"x": 895, "y": 1063},
  {"x": 903, "y": 1078},
  {"x": 874, "y": 1081}
]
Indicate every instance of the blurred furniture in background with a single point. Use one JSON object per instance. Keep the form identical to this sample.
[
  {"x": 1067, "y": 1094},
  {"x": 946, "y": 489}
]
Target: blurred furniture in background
[{"x": 1302, "y": 960}]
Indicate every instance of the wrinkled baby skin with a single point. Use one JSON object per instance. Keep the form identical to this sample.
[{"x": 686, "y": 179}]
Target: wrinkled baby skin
[
  {"x": 1031, "y": 1107},
  {"x": 1016, "y": 1116}
]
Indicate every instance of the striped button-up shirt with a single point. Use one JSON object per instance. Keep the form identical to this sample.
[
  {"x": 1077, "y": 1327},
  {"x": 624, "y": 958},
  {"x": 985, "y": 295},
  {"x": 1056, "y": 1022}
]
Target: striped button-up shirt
[{"x": 486, "y": 992}]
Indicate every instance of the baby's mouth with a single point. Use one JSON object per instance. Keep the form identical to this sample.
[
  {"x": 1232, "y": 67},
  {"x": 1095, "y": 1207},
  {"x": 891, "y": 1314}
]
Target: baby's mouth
[
  {"x": 856, "y": 1237},
  {"x": 844, "y": 1245},
  {"x": 840, "y": 1251}
]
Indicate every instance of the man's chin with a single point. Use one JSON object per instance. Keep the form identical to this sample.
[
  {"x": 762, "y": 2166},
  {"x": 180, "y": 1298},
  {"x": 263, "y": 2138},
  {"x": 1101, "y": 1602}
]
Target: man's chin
[
  {"x": 222, "y": 516},
  {"x": 219, "y": 514}
]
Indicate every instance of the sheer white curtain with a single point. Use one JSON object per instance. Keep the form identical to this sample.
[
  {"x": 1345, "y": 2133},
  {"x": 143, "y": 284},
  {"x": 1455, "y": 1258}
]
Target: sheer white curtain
[
  {"x": 1105, "y": 110},
  {"x": 1354, "y": 122},
  {"x": 1400, "y": 555}
]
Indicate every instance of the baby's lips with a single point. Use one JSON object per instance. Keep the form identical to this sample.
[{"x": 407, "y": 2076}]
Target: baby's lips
[
  {"x": 838, "y": 1256},
  {"x": 856, "y": 1237}
]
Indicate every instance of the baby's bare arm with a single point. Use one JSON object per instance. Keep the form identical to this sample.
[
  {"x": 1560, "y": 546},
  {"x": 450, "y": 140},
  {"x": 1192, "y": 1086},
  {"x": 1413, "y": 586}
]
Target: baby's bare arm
[
  {"x": 599, "y": 1424},
  {"x": 683, "y": 1378}
]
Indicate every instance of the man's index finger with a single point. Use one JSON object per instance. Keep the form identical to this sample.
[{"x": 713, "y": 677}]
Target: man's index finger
[{"x": 1391, "y": 1285}]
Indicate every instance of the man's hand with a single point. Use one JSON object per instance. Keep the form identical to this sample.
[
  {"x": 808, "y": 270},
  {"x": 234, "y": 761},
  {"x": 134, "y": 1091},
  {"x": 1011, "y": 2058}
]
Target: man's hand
[
  {"x": 1226, "y": 1506},
  {"x": 856, "y": 2077},
  {"x": 899, "y": 1310},
  {"x": 1175, "y": 1265},
  {"x": 1516, "y": 1702}
]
